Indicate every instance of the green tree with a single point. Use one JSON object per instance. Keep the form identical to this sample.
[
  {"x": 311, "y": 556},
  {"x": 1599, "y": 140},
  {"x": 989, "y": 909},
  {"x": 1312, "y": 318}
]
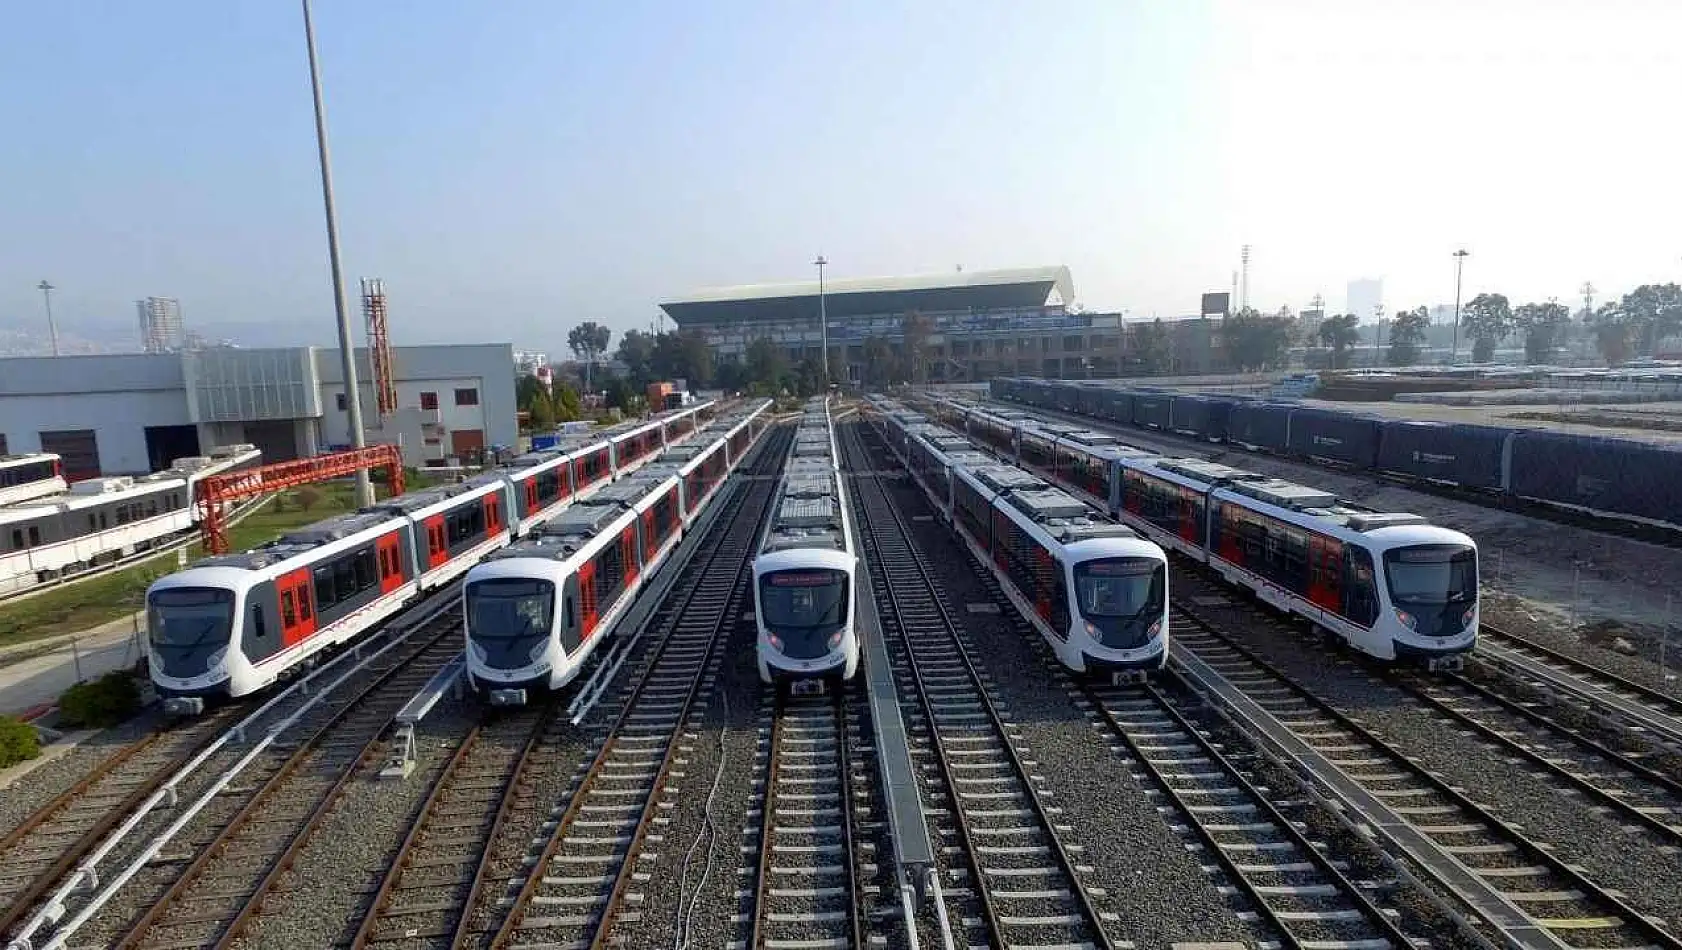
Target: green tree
[
  {"x": 915, "y": 328},
  {"x": 1407, "y": 336},
  {"x": 1652, "y": 312},
  {"x": 542, "y": 409},
  {"x": 568, "y": 407},
  {"x": 1487, "y": 319},
  {"x": 636, "y": 351},
  {"x": 766, "y": 364},
  {"x": 731, "y": 376},
  {"x": 808, "y": 378},
  {"x": 878, "y": 360},
  {"x": 1612, "y": 329},
  {"x": 1254, "y": 342},
  {"x": 1340, "y": 334},
  {"x": 1544, "y": 326},
  {"x": 1153, "y": 353},
  {"x": 588, "y": 341}
]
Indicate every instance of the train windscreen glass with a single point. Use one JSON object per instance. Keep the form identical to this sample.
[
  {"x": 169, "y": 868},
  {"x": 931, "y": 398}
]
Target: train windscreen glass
[
  {"x": 509, "y": 619},
  {"x": 1433, "y": 587},
  {"x": 805, "y": 611},
  {"x": 187, "y": 625},
  {"x": 1121, "y": 599}
]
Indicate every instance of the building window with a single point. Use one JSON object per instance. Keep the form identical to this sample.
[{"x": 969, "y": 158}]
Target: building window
[
  {"x": 467, "y": 397},
  {"x": 429, "y": 400},
  {"x": 343, "y": 403}
]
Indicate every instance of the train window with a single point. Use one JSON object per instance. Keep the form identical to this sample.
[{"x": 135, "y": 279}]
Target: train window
[
  {"x": 288, "y": 614},
  {"x": 344, "y": 578},
  {"x": 304, "y": 609},
  {"x": 17, "y": 539},
  {"x": 258, "y": 627},
  {"x": 325, "y": 595},
  {"x": 1360, "y": 591},
  {"x": 363, "y": 566},
  {"x": 571, "y": 615},
  {"x": 152, "y": 508},
  {"x": 93, "y": 525}
]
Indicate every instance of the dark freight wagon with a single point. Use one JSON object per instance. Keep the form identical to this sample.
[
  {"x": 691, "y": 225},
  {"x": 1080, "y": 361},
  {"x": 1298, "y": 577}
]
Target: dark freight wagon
[
  {"x": 1262, "y": 425},
  {"x": 1615, "y": 476},
  {"x": 1089, "y": 398},
  {"x": 1334, "y": 436},
  {"x": 1202, "y": 416},
  {"x": 1117, "y": 406},
  {"x": 1471, "y": 456},
  {"x": 1152, "y": 410}
]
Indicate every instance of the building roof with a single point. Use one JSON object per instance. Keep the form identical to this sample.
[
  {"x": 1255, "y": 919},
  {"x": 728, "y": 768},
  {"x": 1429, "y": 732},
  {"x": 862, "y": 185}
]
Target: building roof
[{"x": 854, "y": 296}]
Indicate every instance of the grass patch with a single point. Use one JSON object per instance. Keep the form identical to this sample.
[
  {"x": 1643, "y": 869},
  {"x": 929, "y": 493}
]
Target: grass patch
[
  {"x": 90, "y": 603},
  {"x": 18, "y": 741}
]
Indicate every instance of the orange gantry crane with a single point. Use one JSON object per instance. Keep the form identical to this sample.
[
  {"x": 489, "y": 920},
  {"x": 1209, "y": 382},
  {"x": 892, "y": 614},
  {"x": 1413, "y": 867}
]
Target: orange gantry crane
[{"x": 216, "y": 492}]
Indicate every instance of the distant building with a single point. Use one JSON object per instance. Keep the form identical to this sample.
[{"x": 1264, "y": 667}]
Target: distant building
[
  {"x": 1365, "y": 299},
  {"x": 528, "y": 362},
  {"x": 160, "y": 325},
  {"x": 980, "y": 324},
  {"x": 137, "y": 412}
]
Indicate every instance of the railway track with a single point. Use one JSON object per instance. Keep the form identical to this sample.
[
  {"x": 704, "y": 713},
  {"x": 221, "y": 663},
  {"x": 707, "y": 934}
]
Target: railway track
[
  {"x": 1556, "y": 900},
  {"x": 808, "y": 889},
  {"x": 45, "y": 846},
  {"x": 1297, "y": 890},
  {"x": 200, "y": 796},
  {"x": 1017, "y": 881},
  {"x": 581, "y": 879},
  {"x": 1650, "y": 713},
  {"x": 211, "y": 900}
]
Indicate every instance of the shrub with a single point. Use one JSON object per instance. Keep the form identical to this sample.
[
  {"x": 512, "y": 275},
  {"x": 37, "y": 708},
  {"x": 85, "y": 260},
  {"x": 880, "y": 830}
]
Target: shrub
[
  {"x": 18, "y": 741},
  {"x": 104, "y": 702}
]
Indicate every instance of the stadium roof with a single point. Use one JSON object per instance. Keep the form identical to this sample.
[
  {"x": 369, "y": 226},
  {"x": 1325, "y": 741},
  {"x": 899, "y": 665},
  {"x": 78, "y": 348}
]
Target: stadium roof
[{"x": 854, "y": 296}]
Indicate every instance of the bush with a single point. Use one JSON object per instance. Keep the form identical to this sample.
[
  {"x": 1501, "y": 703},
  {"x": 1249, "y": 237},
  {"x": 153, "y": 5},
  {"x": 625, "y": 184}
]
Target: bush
[
  {"x": 18, "y": 741},
  {"x": 104, "y": 702}
]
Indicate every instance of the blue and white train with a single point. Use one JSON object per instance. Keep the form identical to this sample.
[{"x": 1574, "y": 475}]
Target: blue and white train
[
  {"x": 804, "y": 574},
  {"x": 1095, "y": 590},
  {"x": 231, "y": 625}
]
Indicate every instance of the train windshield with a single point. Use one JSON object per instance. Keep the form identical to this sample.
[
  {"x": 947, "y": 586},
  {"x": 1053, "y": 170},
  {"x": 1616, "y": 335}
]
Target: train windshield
[
  {"x": 1121, "y": 597},
  {"x": 803, "y": 610},
  {"x": 185, "y": 625},
  {"x": 509, "y": 619},
  {"x": 1432, "y": 575}
]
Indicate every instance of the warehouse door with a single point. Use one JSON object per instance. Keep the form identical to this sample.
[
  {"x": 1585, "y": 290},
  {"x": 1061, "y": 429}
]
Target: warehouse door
[
  {"x": 467, "y": 444},
  {"x": 165, "y": 444},
  {"x": 79, "y": 448}
]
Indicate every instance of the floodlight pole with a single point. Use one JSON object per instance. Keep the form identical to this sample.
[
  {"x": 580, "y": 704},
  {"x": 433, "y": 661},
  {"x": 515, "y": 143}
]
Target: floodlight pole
[{"x": 823, "y": 320}]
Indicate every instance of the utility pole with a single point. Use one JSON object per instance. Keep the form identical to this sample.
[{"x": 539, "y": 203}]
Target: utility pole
[
  {"x": 1244, "y": 285},
  {"x": 1459, "y": 265},
  {"x": 347, "y": 354},
  {"x": 823, "y": 320},
  {"x": 46, "y": 290}
]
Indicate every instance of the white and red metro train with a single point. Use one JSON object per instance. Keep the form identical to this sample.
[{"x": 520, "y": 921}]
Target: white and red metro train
[
  {"x": 1095, "y": 590},
  {"x": 30, "y": 475},
  {"x": 231, "y": 625},
  {"x": 536, "y": 611},
  {"x": 1390, "y": 584}
]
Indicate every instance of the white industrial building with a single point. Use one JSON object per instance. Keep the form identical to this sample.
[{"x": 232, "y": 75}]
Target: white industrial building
[{"x": 136, "y": 412}]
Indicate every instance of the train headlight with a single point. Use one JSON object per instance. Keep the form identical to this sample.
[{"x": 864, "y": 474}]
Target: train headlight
[
  {"x": 538, "y": 650},
  {"x": 1469, "y": 617},
  {"x": 1091, "y": 630},
  {"x": 214, "y": 660},
  {"x": 1156, "y": 629},
  {"x": 836, "y": 638},
  {"x": 479, "y": 653},
  {"x": 1407, "y": 619},
  {"x": 776, "y": 641}
]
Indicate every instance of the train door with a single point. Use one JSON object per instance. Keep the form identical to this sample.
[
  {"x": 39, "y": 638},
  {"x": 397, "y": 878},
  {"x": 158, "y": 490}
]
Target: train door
[
  {"x": 390, "y": 562},
  {"x": 437, "y": 542},
  {"x": 628, "y": 553},
  {"x": 1360, "y": 592},
  {"x": 532, "y": 503},
  {"x": 587, "y": 616},
  {"x": 571, "y": 616},
  {"x": 650, "y": 535},
  {"x": 493, "y": 513},
  {"x": 1325, "y": 572},
  {"x": 297, "y": 606}
]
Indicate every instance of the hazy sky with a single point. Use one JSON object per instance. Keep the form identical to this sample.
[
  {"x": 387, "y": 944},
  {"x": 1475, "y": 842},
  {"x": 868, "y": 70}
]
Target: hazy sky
[{"x": 515, "y": 166}]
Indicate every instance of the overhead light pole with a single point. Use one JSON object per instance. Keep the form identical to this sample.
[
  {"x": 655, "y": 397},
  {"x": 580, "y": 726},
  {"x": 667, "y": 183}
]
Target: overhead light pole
[
  {"x": 1459, "y": 265},
  {"x": 823, "y": 320},
  {"x": 46, "y": 290},
  {"x": 347, "y": 354}
]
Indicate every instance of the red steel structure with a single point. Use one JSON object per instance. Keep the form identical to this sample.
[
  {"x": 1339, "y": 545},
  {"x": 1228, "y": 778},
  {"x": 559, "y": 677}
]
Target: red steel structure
[
  {"x": 216, "y": 492},
  {"x": 379, "y": 346}
]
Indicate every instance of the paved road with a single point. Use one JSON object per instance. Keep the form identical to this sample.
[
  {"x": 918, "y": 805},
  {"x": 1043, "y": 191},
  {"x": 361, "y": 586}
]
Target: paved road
[{"x": 40, "y": 679}]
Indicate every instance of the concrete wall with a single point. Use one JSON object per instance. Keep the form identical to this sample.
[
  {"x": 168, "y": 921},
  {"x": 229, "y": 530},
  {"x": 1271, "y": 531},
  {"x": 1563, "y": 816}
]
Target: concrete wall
[{"x": 116, "y": 396}]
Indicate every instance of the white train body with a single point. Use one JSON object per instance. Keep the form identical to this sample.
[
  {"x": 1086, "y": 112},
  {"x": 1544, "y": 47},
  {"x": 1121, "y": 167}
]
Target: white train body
[
  {"x": 1096, "y": 591},
  {"x": 1389, "y": 584},
  {"x": 229, "y": 626},
  {"x": 32, "y": 475},
  {"x": 100, "y": 520},
  {"x": 804, "y": 576},
  {"x": 536, "y": 612}
]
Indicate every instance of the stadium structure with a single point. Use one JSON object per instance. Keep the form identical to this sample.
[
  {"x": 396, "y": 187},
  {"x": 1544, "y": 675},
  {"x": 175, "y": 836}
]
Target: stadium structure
[{"x": 980, "y": 324}]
